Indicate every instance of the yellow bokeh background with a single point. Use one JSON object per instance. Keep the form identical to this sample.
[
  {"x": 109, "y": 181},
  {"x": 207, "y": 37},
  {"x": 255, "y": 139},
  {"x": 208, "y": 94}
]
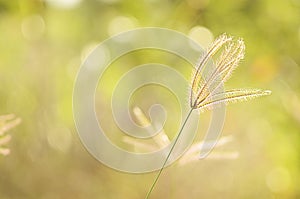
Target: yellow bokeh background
[{"x": 44, "y": 42}]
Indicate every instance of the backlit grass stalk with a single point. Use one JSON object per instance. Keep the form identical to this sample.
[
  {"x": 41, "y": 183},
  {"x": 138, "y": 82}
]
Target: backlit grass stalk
[{"x": 204, "y": 94}]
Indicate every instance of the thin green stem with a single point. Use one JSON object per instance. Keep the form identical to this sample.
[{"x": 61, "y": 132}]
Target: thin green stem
[{"x": 169, "y": 154}]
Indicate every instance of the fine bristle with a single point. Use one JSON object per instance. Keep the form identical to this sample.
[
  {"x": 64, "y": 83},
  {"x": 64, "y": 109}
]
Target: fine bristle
[
  {"x": 232, "y": 96},
  {"x": 205, "y": 85}
]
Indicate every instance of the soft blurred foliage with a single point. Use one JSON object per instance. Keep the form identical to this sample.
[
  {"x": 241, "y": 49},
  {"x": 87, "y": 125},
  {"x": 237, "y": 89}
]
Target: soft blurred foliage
[{"x": 43, "y": 43}]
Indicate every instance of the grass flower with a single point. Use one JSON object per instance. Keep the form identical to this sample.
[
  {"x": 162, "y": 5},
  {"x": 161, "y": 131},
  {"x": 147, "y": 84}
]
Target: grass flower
[
  {"x": 162, "y": 140},
  {"x": 7, "y": 122},
  {"x": 206, "y": 83},
  {"x": 193, "y": 153},
  {"x": 204, "y": 91}
]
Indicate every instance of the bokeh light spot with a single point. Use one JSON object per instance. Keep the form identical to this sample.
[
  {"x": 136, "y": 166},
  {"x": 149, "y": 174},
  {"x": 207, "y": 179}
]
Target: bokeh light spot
[
  {"x": 265, "y": 68},
  {"x": 64, "y": 4},
  {"x": 33, "y": 27},
  {"x": 201, "y": 35},
  {"x": 121, "y": 24},
  {"x": 98, "y": 57},
  {"x": 278, "y": 179},
  {"x": 87, "y": 49}
]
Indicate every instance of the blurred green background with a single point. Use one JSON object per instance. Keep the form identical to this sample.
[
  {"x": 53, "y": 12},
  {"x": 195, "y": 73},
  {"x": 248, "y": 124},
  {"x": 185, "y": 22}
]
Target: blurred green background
[{"x": 43, "y": 43}]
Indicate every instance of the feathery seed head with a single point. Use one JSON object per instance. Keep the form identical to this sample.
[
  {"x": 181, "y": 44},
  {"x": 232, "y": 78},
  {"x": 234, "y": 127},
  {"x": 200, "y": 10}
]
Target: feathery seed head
[{"x": 204, "y": 86}]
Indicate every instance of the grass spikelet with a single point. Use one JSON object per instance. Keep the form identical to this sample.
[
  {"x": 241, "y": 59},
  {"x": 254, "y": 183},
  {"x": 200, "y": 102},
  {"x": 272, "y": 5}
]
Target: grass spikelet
[
  {"x": 232, "y": 96},
  {"x": 7, "y": 122},
  {"x": 204, "y": 93}
]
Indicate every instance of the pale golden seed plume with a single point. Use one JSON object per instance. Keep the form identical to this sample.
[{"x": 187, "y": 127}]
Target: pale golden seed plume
[
  {"x": 232, "y": 96},
  {"x": 197, "y": 79},
  {"x": 5, "y": 139},
  {"x": 160, "y": 140},
  {"x": 193, "y": 153},
  {"x": 205, "y": 86},
  {"x": 4, "y": 151},
  {"x": 7, "y": 122}
]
